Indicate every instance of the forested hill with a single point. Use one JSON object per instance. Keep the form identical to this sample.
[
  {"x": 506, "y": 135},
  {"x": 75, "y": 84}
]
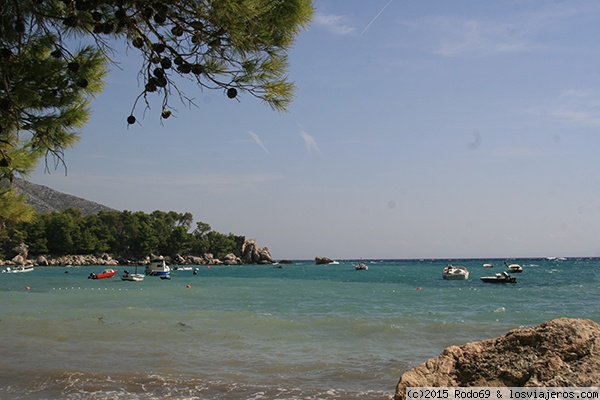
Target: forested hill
[{"x": 46, "y": 200}]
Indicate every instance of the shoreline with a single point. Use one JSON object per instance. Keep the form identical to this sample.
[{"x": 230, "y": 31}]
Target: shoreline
[{"x": 109, "y": 260}]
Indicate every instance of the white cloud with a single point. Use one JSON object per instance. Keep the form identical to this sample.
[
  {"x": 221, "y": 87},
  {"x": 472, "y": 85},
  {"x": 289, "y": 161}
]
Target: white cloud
[
  {"x": 453, "y": 36},
  {"x": 337, "y": 24},
  {"x": 310, "y": 142},
  {"x": 259, "y": 142},
  {"x": 473, "y": 37},
  {"x": 577, "y": 107}
]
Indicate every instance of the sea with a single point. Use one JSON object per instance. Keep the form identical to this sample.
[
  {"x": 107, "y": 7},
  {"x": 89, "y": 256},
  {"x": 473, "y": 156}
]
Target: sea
[{"x": 302, "y": 331}]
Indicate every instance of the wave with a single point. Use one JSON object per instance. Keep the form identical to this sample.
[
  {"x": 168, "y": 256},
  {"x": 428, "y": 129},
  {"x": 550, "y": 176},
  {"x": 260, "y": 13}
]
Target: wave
[{"x": 76, "y": 385}]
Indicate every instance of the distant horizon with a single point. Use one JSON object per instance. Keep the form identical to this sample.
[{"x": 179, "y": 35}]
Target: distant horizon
[{"x": 507, "y": 259}]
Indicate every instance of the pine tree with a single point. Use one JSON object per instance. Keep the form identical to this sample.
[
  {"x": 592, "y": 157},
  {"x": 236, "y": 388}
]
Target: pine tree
[{"x": 236, "y": 46}]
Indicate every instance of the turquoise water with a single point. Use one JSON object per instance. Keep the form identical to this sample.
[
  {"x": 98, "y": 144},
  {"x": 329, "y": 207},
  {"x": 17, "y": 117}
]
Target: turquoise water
[{"x": 304, "y": 331}]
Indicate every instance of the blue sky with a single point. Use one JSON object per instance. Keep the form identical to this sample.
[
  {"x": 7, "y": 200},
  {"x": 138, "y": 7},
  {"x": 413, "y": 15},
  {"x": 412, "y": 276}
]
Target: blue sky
[{"x": 419, "y": 130}]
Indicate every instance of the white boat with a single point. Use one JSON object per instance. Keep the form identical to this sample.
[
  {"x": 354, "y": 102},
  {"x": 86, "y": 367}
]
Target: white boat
[
  {"x": 488, "y": 266},
  {"x": 18, "y": 269},
  {"x": 135, "y": 277},
  {"x": 503, "y": 277},
  {"x": 453, "y": 272},
  {"x": 361, "y": 267},
  {"x": 181, "y": 268},
  {"x": 514, "y": 268},
  {"x": 158, "y": 267}
]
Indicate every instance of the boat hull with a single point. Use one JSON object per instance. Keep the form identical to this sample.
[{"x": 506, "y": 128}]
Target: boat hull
[
  {"x": 493, "y": 279},
  {"x": 103, "y": 274},
  {"x": 133, "y": 277},
  {"x": 18, "y": 270},
  {"x": 461, "y": 277},
  {"x": 158, "y": 267},
  {"x": 454, "y": 273}
]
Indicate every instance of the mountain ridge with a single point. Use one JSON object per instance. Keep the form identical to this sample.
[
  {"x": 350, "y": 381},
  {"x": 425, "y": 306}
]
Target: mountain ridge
[{"x": 46, "y": 200}]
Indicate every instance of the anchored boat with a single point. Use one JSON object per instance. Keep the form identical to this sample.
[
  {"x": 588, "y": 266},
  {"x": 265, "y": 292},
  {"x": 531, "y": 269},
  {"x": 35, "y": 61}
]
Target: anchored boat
[{"x": 158, "y": 267}]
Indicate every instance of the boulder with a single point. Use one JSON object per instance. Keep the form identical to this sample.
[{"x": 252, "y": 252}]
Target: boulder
[
  {"x": 560, "y": 352},
  {"x": 323, "y": 260},
  {"x": 252, "y": 254},
  {"x": 264, "y": 256},
  {"x": 42, "y": 261},
  {"x": 209, "y": 259},
  {"x": 19, "y": 260},
  {"x": 249, "y": 252},
  {"x": 22, "y": 250},
  {"x": 231, "y": 259},
  {"x": 195, "y": 260}
]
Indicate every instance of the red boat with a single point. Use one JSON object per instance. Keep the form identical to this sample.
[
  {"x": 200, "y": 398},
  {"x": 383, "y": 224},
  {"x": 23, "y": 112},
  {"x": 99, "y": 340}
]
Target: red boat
[{"x": 107, "y": 273}]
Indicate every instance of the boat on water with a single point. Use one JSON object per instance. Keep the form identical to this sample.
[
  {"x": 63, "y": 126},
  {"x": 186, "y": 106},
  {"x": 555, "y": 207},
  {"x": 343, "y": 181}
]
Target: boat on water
[
  {"x": 514, "y": 268},
  {"x": 135, "y": 277},
  {"x": 18, "y": 269},
  {"x": 107, "y": 273},
  {"x": 502, "y": 277},
  {"x": 361, "y": 267},
  {"x": 158, "y": 267},
  {"x": 181, "y": 268},
  {"x": 454, "y": 272},
  {"x": 488, "y": 266}
]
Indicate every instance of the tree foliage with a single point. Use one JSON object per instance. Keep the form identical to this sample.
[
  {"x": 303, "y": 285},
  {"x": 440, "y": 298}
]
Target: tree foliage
[
  {"x": 231, "y": 45},
  {"x": 136, "y": 234},
  {"x": 54, "y": 56}
]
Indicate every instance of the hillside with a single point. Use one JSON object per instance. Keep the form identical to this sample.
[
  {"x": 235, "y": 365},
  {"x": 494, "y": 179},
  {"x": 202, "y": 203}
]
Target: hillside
[{"x": 46, "y": 200}]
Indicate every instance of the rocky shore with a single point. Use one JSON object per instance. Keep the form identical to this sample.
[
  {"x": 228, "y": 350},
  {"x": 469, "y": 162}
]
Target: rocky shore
[
  {"x": 563, "y": 352},
  {"x": 251, "y": 254}
]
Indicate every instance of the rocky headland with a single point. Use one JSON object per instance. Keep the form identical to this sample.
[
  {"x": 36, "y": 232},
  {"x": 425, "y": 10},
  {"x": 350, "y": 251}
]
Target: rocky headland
[
  {"x": 46, "y": 200},
  {"x": 556, "y": 353}
]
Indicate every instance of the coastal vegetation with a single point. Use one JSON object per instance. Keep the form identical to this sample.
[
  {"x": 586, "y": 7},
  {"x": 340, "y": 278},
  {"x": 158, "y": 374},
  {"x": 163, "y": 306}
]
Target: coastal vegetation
[
  {"x": 133, "y": 234},
  {"x": 54, "y": 57}
]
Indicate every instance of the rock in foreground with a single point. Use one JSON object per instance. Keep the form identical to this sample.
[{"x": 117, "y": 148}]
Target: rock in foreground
[{"x": 560, "y": 352}]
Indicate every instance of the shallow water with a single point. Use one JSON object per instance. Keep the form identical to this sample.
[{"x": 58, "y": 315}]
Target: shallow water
[{"x": 258, "y": 332}]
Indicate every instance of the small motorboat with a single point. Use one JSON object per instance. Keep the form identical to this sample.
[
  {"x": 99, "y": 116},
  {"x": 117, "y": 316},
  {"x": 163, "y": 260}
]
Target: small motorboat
[
  {"x": 502, "y": 277},
  {"x": 158, "y": 267},
  {"x": 180, "y": 268},
  {"x": 18, "y": 269},
  {"x": 361, "y": 267},
  {"x": 514, "y": 268},
  {"x": 488, "y": 266},
  {"x": 135, "y": 277},
  {"x": 107, "y": 273},
  {"x": 453, "y": 272}
]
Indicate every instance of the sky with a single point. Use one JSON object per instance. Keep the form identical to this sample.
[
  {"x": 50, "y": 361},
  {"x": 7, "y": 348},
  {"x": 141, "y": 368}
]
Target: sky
[{"x": 420, "y": 129}]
